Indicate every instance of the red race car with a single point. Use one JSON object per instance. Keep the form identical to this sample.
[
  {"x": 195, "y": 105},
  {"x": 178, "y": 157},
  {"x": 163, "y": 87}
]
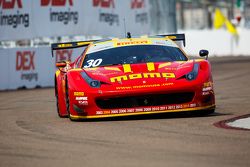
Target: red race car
[{"x": 132, "y": 76}]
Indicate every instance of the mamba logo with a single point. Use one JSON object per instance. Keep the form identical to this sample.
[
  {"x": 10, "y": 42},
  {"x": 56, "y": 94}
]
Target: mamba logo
[
  {"x": 141, "y": 75},
  {"x": 64, "y": 16},
  {"x": 13, "y": 19}
]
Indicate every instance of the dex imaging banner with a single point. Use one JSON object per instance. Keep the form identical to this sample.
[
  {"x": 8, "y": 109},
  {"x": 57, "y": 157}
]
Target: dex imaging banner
[
  {"x": 31, "y": 67},
  {"x": 26, "y": 19},
  {"x": 15, "y": 19},
  {"x": 58, "y": 17}
]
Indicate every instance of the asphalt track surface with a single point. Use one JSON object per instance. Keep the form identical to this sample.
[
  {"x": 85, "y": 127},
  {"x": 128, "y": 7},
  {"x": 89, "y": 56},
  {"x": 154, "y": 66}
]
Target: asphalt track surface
[{"x": 31, "y": 134}]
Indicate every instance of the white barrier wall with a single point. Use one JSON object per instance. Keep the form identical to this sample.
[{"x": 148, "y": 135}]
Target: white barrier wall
[
  {"x": 31, "y": 67},
  {"x": 218, "y": 42}
]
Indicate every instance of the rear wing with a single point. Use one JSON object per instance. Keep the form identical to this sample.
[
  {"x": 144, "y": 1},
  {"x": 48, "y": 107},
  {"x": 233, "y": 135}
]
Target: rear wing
[
  {"x": 175, "y": 37},
  {"x": 69, "y": 45}
]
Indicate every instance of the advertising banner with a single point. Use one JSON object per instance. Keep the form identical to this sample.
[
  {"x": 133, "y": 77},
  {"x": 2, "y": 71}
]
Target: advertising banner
[
  {"x": 22, "y": 19},
  {"x": 16, "y": 19},
  {"x": 31, "y": 67}
]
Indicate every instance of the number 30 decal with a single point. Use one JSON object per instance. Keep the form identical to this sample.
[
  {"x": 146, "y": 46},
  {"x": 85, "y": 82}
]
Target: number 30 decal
[{"x": 93, "y": 63}]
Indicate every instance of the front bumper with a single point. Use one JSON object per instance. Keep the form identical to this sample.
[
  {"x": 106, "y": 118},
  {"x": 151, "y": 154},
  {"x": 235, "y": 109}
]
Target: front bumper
[
  {"x": 89, "y": 108},
  {"x": 77, "y": 117}
]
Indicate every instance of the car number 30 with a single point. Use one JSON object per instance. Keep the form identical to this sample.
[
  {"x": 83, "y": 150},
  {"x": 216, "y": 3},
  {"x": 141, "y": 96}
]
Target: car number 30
[{"x": 93, "y": 63}]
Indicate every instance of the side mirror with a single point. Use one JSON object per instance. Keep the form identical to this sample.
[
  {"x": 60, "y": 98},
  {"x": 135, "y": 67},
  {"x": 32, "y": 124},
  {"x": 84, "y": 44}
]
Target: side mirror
[
  {"x": 61, "y": 64},
  {"x": 204, "y": 53}
]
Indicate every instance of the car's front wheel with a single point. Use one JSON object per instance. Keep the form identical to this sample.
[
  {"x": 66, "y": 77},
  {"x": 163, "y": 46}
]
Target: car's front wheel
[
  {"x": 68, "y": 101},
  {"x": 57, "y": 102}
]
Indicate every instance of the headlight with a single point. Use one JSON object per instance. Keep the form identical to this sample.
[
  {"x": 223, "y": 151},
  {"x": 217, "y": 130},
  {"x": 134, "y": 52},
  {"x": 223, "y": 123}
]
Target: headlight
[
  {"x": 193, "y": 74},
  {"x": 95, "y": 84},
  {"x": 190, "y": 76},
  {"x": 90, "y": 81}
]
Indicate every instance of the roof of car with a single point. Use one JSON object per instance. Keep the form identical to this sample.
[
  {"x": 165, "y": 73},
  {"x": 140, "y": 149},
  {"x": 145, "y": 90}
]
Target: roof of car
[{"x": 117, "y": 42}]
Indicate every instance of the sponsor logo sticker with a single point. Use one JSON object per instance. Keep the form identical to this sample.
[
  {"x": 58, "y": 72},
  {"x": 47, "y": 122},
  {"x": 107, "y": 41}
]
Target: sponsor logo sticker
[
  {"x": 141, "y": 75},
  {"x": 84, "y": 102},
  {"x": 147, "y": 109},
  {"x": 82, "y": 98},
  {"x": 78, "y": 93}
]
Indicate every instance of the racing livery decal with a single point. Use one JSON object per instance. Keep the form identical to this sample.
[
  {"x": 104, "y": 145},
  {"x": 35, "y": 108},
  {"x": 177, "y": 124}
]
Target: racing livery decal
[{"x": 132, "y": 76}]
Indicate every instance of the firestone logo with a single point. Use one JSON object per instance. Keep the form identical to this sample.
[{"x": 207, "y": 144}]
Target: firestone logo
[
  {"x": 106, "y": 17},
  {"x": 25, "y": 64},
  {"x": 63, "y": 16},
  {"x": 14, "y": 19}
]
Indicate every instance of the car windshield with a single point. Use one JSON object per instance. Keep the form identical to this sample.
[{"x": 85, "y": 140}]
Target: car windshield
[{"x": 133, "y": 55}]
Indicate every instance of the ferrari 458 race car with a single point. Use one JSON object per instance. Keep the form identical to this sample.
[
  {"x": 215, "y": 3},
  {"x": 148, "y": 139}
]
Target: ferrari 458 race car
[{"x": 132, "y": 76}]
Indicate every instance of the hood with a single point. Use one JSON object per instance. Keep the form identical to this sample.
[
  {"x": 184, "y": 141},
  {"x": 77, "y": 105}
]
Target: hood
[{"x": 132, "y": 74}]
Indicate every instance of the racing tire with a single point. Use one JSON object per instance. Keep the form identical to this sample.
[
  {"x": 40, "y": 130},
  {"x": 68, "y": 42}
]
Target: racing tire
[
  {"x": 67, "y": 100},
  {"x": 208, "y": 112},
  {"x": 203, "y": 113},
  {"x": 57, "y": 102}
]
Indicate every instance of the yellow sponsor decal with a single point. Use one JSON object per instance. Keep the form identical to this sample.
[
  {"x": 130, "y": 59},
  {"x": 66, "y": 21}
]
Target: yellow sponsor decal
[
  {"x": 106, "y": 112},
  {"x": 141, "y": 75},
  {"x": 207, "y": 84},
  {"x": 152, "y": 75},
  {"x": 164, "y": 65},
  {"x": 151, "y": 66},
  {"x": 83, "y": 43},
  {"x": 91, "y": 69},
  {"x": 65, "y": 45},
  {"x": 199, "y": 60},
  {"x": 57, "y": 73},
  {"x": 132, "y": 42},
  {"x": 112, "y": 68},
  {"x": 135, "y": 76},
  {"x": 126, "y": 68},
  {"x": 172, "y": 37},
  {"x": 168, "y": 75},
  {"x": 78, "y": 93},
  {"x": 119, "y": 78}
]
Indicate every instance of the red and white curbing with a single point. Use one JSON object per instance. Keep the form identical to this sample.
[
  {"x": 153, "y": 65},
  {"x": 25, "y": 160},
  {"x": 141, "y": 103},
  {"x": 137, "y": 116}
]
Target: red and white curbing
[{"x": 238, "y": 123}]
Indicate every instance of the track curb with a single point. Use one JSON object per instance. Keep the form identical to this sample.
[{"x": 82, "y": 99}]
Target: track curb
[{"x": 224, "y": 123}]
